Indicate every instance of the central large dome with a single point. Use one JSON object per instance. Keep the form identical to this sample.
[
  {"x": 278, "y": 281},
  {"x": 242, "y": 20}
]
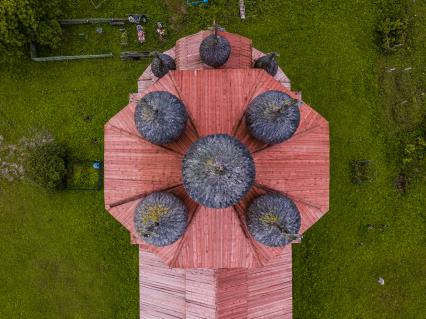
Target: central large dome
[{"x": 218, "y": 170}]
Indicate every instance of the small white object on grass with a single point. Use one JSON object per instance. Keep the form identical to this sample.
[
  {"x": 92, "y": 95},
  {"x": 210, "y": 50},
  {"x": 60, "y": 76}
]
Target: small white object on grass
[{"x": 381, "y": 281}]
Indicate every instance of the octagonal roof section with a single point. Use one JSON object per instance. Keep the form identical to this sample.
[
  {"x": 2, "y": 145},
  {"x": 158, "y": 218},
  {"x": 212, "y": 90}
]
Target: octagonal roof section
[
  {"x": 187, "y": 56},
  {"x": 216, "y": 101}
]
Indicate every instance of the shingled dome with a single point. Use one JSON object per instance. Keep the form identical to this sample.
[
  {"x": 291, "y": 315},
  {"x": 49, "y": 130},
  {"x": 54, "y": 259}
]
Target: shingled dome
[
  {"x": 218, "y": 171},
  {"x": 160, "y": 218},
  {"x": 273, "y": 117},
  {"x": 160, "y": 117},
  {"x": 268, "y": 63},
  {"x": 273, "y": 220},
  {"x": 215, "y": 50},
  {"x": 162, "y": 64}
]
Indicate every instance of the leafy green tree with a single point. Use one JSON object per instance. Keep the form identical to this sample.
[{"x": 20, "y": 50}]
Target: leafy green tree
[
  {"x": 45, "y": 165},
  {"x": 22, "y": 21}
]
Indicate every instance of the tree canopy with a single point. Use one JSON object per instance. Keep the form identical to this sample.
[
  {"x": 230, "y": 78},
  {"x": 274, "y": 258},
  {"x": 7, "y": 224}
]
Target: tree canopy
[{"x": 22, "y": 21}]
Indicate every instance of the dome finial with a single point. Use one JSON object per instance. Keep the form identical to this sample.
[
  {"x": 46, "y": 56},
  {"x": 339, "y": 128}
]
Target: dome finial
[
  {"x": 215, "y": 49},
  {"x": 268, "y": 63},
  {"x": 161, "y": 64}
]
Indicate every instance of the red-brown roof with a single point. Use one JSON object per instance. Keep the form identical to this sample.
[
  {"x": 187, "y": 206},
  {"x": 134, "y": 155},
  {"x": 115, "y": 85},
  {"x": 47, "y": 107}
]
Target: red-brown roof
[
  {"x": 216, "y": 101},
  {"x": 246, "y": 279},
  {"x": 188, "y": 56},
  {"x": 257, "y": 293}
]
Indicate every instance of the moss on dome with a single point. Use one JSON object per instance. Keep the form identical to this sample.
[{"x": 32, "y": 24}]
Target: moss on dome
[
  {"x": 273, "y": 220},
  {"x": 160, "y": 218}
]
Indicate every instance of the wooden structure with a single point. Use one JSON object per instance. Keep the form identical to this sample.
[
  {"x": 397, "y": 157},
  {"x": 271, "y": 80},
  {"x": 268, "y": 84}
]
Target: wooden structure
[{"x": 216, "y": 269}]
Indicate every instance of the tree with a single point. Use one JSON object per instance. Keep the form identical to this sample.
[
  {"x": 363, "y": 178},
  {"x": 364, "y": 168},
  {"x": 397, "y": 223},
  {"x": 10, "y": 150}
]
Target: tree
[
  {"x": 23, "y": 21},
  {"x": 45, "y": 165}
]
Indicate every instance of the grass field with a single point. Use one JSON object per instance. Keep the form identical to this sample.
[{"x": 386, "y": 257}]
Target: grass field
[{"x": 63, "y": 256}]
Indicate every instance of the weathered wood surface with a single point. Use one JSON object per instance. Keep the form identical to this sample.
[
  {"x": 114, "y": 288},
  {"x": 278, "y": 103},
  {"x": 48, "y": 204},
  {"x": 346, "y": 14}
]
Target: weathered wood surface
[
  {"x": 162, "y": 290},
  {"x": 190, "y": 46},
  {"x": 188, "y": 56},
  {"x": 215, "y": 238},
  {"x": 246, "y": 279},
  {"x": 256, "y": 293}
]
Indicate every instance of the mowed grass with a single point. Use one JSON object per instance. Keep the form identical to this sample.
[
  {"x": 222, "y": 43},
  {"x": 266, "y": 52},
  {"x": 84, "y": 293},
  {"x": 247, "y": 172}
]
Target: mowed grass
[{"x": 63, "y": 256}]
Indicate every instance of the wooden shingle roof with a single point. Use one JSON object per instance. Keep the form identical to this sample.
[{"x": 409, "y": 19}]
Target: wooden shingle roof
[
  {"x": 216, "y": 101},
  {"x": 256, "y": 293},
  {"x": 216, "y": 269}
]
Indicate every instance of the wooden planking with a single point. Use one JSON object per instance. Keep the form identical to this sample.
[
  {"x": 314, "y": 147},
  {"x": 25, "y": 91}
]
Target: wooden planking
[
  {"x": 124, "y": 120},
  {"x": 127, "y": 173},
  {"x": 167, "y": 293},
  {"x": 161, "y": 289},
  {"x": 298, "y": 167},
  {"x": 170, "y": 253},
  {"x": 124, "y": 214},
  {"x": 270, "y": 289},
  {"x": 208, "y": 93},
  {"x": 232, "y": 293},
  {"x": 263, "y": 82},
  {"x": 188, "y": 56},
  {"x": 309, "y": 215},
  {"x": 215, "y": 240},
  {"x": 309, "y": 118},
  {"x": 263, "y": 253},
  {"x": 200, "y": 294}
]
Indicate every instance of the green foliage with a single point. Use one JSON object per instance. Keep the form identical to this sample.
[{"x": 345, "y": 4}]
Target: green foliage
[
  {"x": 414, "y": 157},
  {"x": 22, "y": 21},
  {"x": 45, "y": 165},
  {"x": 362, "y": 171},
  {"x": 64, "y": 257},
  {"x": 83, "y": 176},
  {"x": 393, "y": 33}
]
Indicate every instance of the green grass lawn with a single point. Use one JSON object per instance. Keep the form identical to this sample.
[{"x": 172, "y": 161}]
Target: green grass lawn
[{"x": 63, "y": 256}]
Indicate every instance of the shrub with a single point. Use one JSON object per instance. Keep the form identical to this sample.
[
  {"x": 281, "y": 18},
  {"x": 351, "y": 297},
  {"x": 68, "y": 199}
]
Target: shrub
[
  {"x": 414, "y": 157},
  {"x": 362, "y": 171},
  {"x": 392, "y": 33},
  {"x": 45, "y": 165}
]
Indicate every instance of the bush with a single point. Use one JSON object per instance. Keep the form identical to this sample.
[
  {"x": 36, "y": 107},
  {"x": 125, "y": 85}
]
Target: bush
[
  {"x": 414, "y": 158},
  {"x": 393, "y": 33},
  {"x": 362, "y": 171},
  {"x": 83, "y": 176},
  {"x": 45, "y": 165}
]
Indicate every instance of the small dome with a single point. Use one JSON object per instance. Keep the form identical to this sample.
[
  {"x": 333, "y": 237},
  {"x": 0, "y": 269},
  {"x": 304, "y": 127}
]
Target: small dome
[
  {"x": 273, "y": 220},
  {"x": 215, "y": 50},
  {"x": 160, "y": 117},
  {"x": 268, "y": 63},
  {"x": 162, "y": 64},
  {"x": 160, "y": 219},
  {"x": 218, "y": 170},
  {"x": 273, "y": 117}
]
